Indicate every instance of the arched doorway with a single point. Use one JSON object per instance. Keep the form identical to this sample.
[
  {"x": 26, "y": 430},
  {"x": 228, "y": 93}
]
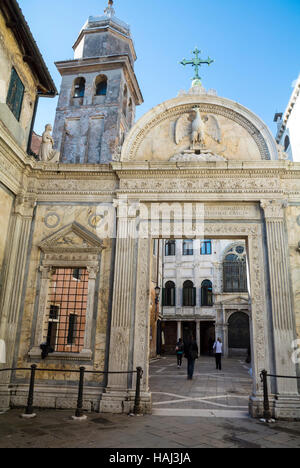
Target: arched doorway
[{"x": 238, "y": 334}]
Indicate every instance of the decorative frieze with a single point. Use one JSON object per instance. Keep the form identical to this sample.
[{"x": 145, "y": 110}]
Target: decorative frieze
[{"x": 207, "y": 184}]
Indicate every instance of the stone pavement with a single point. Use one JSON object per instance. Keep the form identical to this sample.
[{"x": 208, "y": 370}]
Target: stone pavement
[
  {"x": 209, "y": 412},
  {"x": 210, "y": 393}
]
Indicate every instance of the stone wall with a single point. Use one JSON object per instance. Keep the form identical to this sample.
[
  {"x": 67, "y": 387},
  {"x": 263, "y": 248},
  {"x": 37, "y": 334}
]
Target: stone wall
[
  {"x": 11, "y": 56},
  {"x": 90, "y": 129}
]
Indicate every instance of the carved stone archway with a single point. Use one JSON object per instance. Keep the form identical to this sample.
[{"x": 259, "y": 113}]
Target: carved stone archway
[{"x": 129, "y": 346}]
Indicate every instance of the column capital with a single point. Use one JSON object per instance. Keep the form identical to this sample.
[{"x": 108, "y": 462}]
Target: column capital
[
  {"x": 274, "y": 209},
  {"x": 45, "y": 270},
  {"x": 25, "y": 205},
  {"x": 92, "y": 271}
]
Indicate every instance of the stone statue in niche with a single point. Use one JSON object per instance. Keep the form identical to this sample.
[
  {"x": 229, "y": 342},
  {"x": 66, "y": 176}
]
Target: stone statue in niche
[{"x": 47, "y": 153}]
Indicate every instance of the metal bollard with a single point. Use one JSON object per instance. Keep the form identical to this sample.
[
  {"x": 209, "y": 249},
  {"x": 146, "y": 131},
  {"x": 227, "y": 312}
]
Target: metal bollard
[
  {"x": 29, "y": 409},
  {"x": 78, "y": 413},
  {"x": 137, "y": 402},
  {"x": 264, "y": 379}
]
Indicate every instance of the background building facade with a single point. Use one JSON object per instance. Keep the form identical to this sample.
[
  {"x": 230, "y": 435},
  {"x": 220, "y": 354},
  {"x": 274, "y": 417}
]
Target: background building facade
[
  {"x": 288, "y": 125},
  {"x": 205, "y": 292}
]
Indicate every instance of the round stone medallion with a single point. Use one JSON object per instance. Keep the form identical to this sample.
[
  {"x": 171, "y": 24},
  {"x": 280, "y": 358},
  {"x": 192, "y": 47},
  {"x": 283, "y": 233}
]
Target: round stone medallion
[
  {"x": 94, "y": 220},
  {"x": 52, "y": 220}
]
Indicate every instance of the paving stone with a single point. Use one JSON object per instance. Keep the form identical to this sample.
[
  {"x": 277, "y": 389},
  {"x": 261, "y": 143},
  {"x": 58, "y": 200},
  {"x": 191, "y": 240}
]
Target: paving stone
[{"x": 52, "y": 429}]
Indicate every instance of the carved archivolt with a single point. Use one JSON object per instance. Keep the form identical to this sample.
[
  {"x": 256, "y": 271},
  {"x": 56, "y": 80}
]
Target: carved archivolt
[{"x": 140, "y": 131}]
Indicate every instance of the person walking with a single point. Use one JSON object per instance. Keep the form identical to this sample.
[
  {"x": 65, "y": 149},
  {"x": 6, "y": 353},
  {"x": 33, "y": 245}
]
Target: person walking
[
  {"x": 191, "y": 354},
  {"x": 179, "y": 352},
  {"x": 218, "y": 347}
]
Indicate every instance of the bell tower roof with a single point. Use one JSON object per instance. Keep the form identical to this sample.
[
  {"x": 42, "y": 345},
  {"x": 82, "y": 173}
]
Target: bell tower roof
[{"x": 104, "y": 35}]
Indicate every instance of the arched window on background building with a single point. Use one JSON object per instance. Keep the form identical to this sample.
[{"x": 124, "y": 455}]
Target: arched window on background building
[
  {"x": 188, "y": 294},
  {"x": 101, "y": 86},
  {"x": 79, "y": 88},
  {"x": 286, "y": 143},
  {"x": 235, "y": 270},
  {"x": 170, "y": 248},
  {"x": 206, "y": 294},
  {"x": 169, "y": 294}
]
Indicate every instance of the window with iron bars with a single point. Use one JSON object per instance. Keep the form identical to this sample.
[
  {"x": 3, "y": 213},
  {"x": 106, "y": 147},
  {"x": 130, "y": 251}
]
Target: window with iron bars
[{"x": 66, "y": 309}]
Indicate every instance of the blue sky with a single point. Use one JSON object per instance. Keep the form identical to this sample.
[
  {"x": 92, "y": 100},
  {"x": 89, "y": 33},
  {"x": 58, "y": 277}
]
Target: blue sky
[{"x": 255, "y": 45}]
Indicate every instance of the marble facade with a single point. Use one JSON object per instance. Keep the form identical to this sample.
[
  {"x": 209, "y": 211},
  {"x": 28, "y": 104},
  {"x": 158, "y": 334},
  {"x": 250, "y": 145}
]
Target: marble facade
[{"x": 96, "y": 214}]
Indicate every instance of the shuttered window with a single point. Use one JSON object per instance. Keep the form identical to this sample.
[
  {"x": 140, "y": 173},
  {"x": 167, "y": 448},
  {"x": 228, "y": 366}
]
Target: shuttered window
[
  {"x": 170, "y": 248},
  {"x": 207, "y": 294},
  {"x": 169, "y": 294},
  {"x": 15, "y": 94},
  {"x": 189, "y": 294}
]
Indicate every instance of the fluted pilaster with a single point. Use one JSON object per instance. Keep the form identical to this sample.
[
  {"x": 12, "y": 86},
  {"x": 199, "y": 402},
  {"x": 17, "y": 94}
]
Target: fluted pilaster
[
  {"x": 14, "y": 279},
  {"x": 280, "y": 291},
  {"x": 123, "y": 296}
]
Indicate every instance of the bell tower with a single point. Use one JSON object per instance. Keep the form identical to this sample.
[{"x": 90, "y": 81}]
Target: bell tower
[{"x": 99, "y": 92}]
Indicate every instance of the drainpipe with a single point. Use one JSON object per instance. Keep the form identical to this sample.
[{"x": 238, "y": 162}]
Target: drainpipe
[{"x": 32, "y": 125}]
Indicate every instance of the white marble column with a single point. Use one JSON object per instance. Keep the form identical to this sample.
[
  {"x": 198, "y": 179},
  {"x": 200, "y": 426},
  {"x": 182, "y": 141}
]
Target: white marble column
[
  {"x": 225, "y": 340},
  {"x": 280, "y": 291},
  {"x": 219, "y": 325},
  {"x": 225, "y": 332},
  {"x": 179, "y": 330},
  {"x": 198, "y": 335}
]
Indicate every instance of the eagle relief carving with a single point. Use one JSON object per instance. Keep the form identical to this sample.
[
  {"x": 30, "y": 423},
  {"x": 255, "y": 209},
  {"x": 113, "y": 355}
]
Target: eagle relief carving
[{"x": 198, "y": 129}]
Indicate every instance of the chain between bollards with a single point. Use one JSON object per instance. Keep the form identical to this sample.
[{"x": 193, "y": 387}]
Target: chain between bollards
[{"x": 137, "y": 402}]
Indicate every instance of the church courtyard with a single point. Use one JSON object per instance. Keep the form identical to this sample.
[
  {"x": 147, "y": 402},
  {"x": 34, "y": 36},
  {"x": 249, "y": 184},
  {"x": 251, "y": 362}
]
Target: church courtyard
[
  {"x": 211, "y": 393},
  {"x": 208, "y": 412}
]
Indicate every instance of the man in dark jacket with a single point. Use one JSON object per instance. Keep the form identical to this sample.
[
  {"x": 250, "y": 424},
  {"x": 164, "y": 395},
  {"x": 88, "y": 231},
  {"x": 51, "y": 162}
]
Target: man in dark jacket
[{"x": 191, "y": 354}]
